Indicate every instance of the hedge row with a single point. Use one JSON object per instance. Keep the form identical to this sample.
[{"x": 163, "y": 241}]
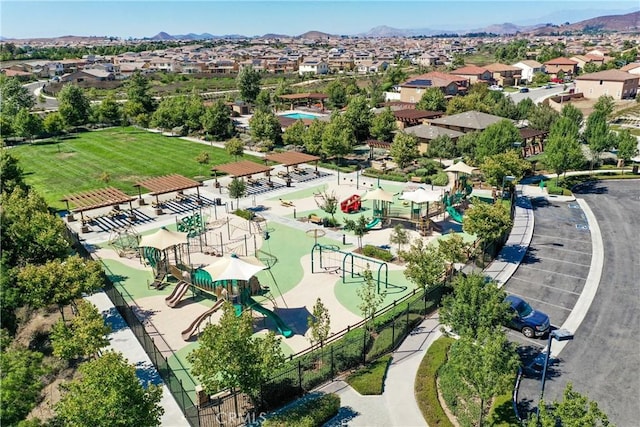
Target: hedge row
[{"x": 314, "y": 411}]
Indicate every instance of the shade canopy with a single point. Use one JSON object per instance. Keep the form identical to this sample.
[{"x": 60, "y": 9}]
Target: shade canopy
[
  {"x": 461, "y": 167},
  {"x": 379, "y": 194},
  {"x": 421, "y": 196},
  {"x": 164, "y": 239},
  {"x": 235, "y": 268}
]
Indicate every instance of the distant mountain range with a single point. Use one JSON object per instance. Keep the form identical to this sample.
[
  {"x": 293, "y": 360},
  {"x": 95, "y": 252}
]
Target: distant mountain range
[{"x": 627, "y": 22}]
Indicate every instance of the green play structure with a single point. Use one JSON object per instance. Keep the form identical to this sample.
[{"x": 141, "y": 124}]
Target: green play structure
[
  {"x": 331, "y": 258},
  {"x": 450, "y": 199}
]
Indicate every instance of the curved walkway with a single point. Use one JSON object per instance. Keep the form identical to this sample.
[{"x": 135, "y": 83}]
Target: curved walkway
[{"x": 397, "y": 405}]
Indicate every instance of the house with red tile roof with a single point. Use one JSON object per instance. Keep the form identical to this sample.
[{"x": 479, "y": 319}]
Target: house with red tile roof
[
  {"x": 565, "y": 65},
  {"x": 504, "y": 75},
  {"x": 474, "y": 74},
  {"x": 413, "y": 89}
]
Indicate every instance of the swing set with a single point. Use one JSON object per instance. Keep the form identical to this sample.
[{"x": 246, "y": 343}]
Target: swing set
[{"x": 331, "y": 258}]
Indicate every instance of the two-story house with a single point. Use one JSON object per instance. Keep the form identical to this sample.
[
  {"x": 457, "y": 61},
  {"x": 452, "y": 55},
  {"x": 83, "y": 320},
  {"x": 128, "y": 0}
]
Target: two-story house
[
  {"x": 615, "y": 83},
  {"x": 529, "y": 68},
  {"x": 313, "y": 66},
  {"x": 474, "y": 74},
  {"x": 413, "y": 89},
  {"x": 561, "y": 65},
  {"x": 504, "y": 75}
]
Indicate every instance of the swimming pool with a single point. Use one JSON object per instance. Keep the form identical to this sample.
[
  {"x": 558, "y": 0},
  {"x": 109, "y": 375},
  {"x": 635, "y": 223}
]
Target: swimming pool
[{"x": 300, "y": 116}]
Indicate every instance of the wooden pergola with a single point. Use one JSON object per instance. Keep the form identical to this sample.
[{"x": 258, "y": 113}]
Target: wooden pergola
[
  {"x": 533, "y": 141},
  {"x": 96, "y": 199},
  {"x": 309, "y": 96},
  {"x": 242, "y": 169},
  {"x": 167, "y": 184},
  {"x": 293, "y": 158},
  {"x": 375, "y": 143},
  {"x": 412, "y": 117}
]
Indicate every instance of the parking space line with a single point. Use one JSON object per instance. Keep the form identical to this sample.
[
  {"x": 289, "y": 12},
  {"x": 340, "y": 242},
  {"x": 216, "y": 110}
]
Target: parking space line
[
  {"x": 544, "y": 236},
  {"x": 546, "y": 286},
  {"x": 541, "y": 302},
  {"x": 519, "y": 335},
  {"x": 558, "y": 260},
  {"x": 552, "y": 272},
  {"x": 569, "y": 250}
]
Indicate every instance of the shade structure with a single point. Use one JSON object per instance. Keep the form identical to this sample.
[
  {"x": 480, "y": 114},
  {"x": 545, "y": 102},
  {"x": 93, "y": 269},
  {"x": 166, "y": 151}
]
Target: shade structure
[
  {"x": 461, "y": 167},
  {"x": 380, "y": 195},
  {"x": 421, "y": 196},
  {"x": 164, "y": 239},
  {"x": 235, "y": 268}
]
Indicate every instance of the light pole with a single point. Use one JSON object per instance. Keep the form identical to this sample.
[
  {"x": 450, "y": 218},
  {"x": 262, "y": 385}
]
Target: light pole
[{"x": 558, "y": 335}]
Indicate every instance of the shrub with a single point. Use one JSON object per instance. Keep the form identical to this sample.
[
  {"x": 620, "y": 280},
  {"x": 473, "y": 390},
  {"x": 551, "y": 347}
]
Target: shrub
[
  {"x": 502, "y": 413},
  {"x": 430, "y": 165},
  {"x": 421, "y": 172},
  {"x": 378, "y": 253},
  {"x": 243, "y": 213},
  {"x": 369, "y": 380},
  {"x": 311, "y": 412},
  {"x": 389, "y": 336},
  {"x": 440, "y": 179},
  {"x": 425, "y": 385}
]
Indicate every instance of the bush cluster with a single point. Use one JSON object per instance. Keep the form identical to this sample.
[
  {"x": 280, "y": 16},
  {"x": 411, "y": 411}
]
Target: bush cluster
[
  {"x": 378, "y": 253},
  {"x": 312, "y": 412},
  {"x": 425, "y": 385},
  {"x": 243, "y": 213}
]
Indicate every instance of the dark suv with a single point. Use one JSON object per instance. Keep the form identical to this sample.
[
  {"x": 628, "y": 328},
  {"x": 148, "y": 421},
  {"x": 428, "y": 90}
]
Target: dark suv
[{"x": 530, "y": 322}]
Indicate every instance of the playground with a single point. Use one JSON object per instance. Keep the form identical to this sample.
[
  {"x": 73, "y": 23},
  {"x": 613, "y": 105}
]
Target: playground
[{"x": 178, "y": 271}]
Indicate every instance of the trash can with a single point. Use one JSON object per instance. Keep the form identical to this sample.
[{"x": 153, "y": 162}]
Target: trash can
[
  {"x": 634, "y": 169},
  {"x": 218, "y": 201}
]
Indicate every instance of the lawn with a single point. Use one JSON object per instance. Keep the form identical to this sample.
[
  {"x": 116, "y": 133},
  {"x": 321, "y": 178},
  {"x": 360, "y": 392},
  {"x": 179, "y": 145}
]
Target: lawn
[{"x": 124, "y": 155}]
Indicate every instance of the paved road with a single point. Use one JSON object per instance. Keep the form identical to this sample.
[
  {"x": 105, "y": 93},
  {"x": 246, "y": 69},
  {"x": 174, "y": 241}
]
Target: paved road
[
  {"x": 603, "y": 361},
  {"x": 49, "y": 104},
  {"x": 537, "y": 94}
]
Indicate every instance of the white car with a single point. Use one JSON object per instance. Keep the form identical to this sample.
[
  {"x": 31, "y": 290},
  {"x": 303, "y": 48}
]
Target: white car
[{"x": 495, "y": 87}]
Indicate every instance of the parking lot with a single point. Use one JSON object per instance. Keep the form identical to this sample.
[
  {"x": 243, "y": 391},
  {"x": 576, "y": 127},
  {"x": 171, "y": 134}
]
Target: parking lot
[{"x": 553, "y": 272}]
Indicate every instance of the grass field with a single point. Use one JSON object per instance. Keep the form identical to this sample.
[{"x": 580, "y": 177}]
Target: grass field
[{"x": 125, "y": 155}]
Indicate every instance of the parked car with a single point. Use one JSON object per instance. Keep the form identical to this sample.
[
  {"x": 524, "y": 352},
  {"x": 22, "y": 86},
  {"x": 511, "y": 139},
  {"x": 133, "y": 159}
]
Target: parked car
[
  {"x": 548, "y": 86},
  {"x": 530, "y": 322},
  {"x": 524, "y": 89},
  {"x": 495, "y": 87}
]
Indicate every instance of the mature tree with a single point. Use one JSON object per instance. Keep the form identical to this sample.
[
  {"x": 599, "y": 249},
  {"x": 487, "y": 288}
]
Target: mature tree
[
  {"x": 110, "y": 111},
  {"x": 404, "y": 149},
  {"x": 216, "y": 121},
  {"x": 30, "y": 233},
  {"x": 338, "y": 137},
  {"x": 337, "y": 94},
  {"x": 605, "y": 105},
  {"x": 442, "y": 147},
  {"x": 294, "y": 134},
  {"x": 230, "y": 356},
  {"x": 319, "y": 323},
  {"x": 383, "y": 125},
  {"x": 358, "y": 114},
  {"x": 181, "y": 112},
  {"x": 248, "y": 83},
  {"x": 541, "y": 78},
  {"x": 597, "y": 135},
  {"x": 358, "y": 227},
  {"x": 10, "y": 178},
  {"x": 506, "y": 108},
  {"x": 59, "y": 282},
  {"x": 328, "y": 202},
  {"x": 193, "y": 111},
  {"x": 84, "y": 336},
  {"x": 237, "y": 189},
  {"x": 21, "y": 372},
  {"x": 497, "y": 166},
  {"x": 265, "y": 126},
  {"x": 393, "y": 76},
  {"x": 572, "y": 112},
  {"x": 376, "y": 90},
  {"x": 108, "y": 393},
  {"x": 73, "y": 105},
  {"x": 263, "y": 100},
  {"x": 562, "y": 150},
  {"x": 475, "y": 307},
  {"x": 54, "y": 124},
  {"x": 627, "y": 145},
  {"x": 541, "y": 117},
  {"x": 425, "y": 265},
  {"x": 487, "y": 221},
  {"x": 312, "y": 138},
  {"x": 370, "y": 298},
  {"x": 432, "y": 100},
  {"x": 496, "y": 139},
  {"x": 138, "y": 94},
  {"x": 467, "y": 143},
  {"x": 575, "y": 410},
  {"x": 234, "y": 147},
  {"x": 399, "y": 236},
  {"x": 27, "y": 125},
  {"x": 488, "y": 365},
  {"x": 457, "y": 105},
  {"x": 14, "y": 96},
  {"x": 453, "y": 249},
  {"x": 524, "y": 108}
]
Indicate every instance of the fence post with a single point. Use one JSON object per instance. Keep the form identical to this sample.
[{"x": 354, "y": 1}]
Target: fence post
[
  {"x": 408, "y": 326},
  {"x": 364, "y": 345},
  {"x": 332, "y": 366},
  {"x": 300, "y": 376},
  {"x": 235, "y": 402},
  {"x": 393, "y": 332}
]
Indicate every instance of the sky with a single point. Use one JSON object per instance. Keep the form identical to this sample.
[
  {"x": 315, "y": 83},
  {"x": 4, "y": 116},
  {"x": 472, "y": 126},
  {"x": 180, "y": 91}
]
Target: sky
[{"x": 145, "y": 18}]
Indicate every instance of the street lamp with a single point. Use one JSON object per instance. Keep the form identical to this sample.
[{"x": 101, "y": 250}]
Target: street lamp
[{"x": 558, "y": 335}]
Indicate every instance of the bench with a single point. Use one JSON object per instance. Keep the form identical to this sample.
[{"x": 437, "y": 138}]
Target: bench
[
  {"x": 417, "y": 179},
  {"x": 315, "y": 219}
]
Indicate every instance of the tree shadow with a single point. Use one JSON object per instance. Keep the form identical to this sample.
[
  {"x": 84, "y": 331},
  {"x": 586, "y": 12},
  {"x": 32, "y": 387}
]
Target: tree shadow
[
  {"x": 147, "y": 374},
  {"x": 345, "y": 415},
  {"x": 590, "y": 187},
  {"x": 113, "y": 318},
  {"x": 530, "y": 257},
  {"x": 143, "y": 315}
]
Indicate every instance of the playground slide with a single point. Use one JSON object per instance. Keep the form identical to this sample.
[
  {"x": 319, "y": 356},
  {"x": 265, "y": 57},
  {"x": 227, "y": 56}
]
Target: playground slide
[
  {"x": 282, "y": 327},
  {"x": 373, "y": 223},
  {"x": 454, "y": 214},
  {"x": 177, "y": 294},
  {"x": 193, "y": 327}
]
